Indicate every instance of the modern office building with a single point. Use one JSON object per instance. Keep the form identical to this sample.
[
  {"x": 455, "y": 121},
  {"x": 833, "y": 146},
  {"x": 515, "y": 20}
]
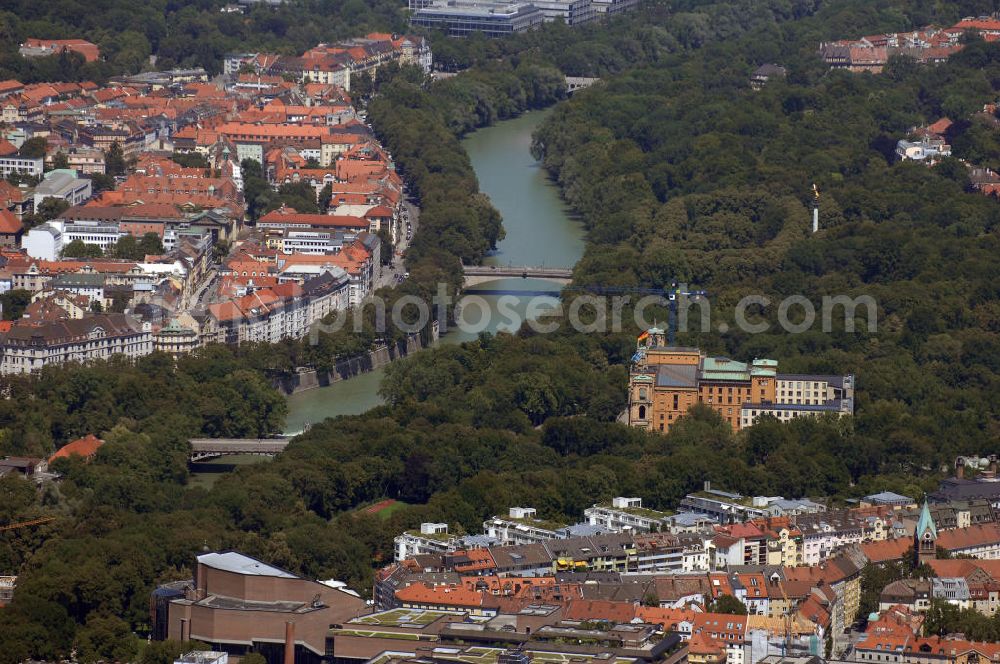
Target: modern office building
[
  {"x": 460, "y": 18},
  {"x": 571, "y": 12},
  {"x": 605, "y": 7}
]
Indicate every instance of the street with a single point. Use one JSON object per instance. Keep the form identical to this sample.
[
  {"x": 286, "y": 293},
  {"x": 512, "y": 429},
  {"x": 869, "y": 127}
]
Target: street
[{"x": 394, "y": 273}]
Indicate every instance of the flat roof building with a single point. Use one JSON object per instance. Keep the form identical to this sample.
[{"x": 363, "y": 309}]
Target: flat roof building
[{"x": 460, "y": 18}]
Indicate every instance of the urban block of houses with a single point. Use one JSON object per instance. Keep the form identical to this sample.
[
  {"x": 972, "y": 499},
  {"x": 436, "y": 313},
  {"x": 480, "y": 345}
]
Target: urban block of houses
[{"x": 30, "y": 348}]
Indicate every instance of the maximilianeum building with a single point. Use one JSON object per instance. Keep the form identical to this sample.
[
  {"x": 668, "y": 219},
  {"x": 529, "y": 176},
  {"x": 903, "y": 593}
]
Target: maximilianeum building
[{"x": 665, "y": 381}]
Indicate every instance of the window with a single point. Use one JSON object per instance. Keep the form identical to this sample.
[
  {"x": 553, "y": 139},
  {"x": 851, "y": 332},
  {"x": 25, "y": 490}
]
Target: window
[{"x": 642, "y": 412}]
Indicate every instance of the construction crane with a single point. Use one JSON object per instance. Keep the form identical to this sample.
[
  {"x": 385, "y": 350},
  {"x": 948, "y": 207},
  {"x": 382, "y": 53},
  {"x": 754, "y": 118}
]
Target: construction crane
[
  {"x": 786, "y": 643},
  {"x": 25, "y": 524},
  {"x": 674, "y": 294}
]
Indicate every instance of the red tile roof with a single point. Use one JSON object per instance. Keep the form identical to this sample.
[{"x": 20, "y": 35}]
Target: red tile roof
[
  {"x": 9, "y": 223},
  {"x": 587, "y": 609},
  {"x": 85, "y": 447},
  {"x": 880, "y": 552},
  {"x": 958, "y": 539}
]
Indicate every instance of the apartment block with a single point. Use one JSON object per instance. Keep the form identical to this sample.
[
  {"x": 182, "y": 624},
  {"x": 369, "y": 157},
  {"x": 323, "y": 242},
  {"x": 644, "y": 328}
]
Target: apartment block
[{"x": 625, "y": 514}]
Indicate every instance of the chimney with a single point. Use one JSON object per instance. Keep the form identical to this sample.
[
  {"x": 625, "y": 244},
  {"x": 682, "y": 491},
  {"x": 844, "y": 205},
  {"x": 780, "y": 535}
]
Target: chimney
[
  {"x": 960, "y": 467},
  {"x": 289, "y": 642}
]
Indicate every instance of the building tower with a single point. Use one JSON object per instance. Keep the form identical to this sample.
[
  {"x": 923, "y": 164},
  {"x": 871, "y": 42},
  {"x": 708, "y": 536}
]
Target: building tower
[
  {"x": 925, "y": 536},
  {"x": 815, "y": 209}
]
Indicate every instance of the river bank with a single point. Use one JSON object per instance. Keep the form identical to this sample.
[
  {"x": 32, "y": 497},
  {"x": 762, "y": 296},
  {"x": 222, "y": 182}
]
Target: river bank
[
  {"x": 539, "y": 231},
  {"x": 351, "y": 367}
]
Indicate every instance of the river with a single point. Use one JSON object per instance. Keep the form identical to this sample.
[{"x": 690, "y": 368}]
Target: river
[{"x": 540, "y": 231}]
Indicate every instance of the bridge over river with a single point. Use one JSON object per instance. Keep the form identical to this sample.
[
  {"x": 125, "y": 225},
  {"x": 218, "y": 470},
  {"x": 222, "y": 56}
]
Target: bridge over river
[
  {"x": 478, "y": 274},
  {"x": 207, "y": 448}
]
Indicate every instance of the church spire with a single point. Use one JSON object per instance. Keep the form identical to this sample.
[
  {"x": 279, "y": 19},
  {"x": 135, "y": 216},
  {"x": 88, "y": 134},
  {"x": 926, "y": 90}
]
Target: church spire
[{"x": 925, "y": 535}]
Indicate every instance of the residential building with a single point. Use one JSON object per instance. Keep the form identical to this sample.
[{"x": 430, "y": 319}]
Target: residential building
[
  {"x": 176, "y": 339},
  {"x": 90, "y": 286},
  {"x": 85, "y": 448},
  {"x": 625, "y": 514},
  {"x": 44, "y": 242},
  {"x": 521, "y": 526},
  {"x": 726, "y": 507},
  {"x": 29, "y": 348},
  {"x": 40, "y": 48},
  {"x": 431, "y": 538},
  {"x": 7, "y": 585},
  {"x": 764, "y": 73},
  {"x": 88, "y": 161},
  {"x": 285, "y": 311},
  {"x": 11, "y": 230},
  {"x": 928, "y": 150}
]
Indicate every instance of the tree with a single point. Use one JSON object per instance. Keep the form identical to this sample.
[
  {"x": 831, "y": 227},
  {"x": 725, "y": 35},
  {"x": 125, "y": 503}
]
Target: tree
[
  {"x": 169, "y": 651},
  {"x": 106, "y": 638},
  {"x": 220, "y": 251},
  {"x": 325, "y": 196},
  {"x": 127, "y": 247},
  {"x": 60, "y": 160},
  {"x": 50, "y": 208},
  {"x": 101, "y": 182},
  {"x": 34, "y": 147},
  {"x": 14, "y": 302},
  {"x": 385, "y": 247},
  {"x": 150, "y": 245},
  {"x": 728, "y": 604},
  {"x": 80, "y": 249},
  {"x": 114, "y": 160},
  {"x": 190, "y": 159}
]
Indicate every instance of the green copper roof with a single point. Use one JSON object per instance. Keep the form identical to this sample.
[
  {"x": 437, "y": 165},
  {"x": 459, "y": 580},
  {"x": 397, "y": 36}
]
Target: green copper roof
[
  {"x": 723, "y": 364},
  {"x": 926, "y": 522}
]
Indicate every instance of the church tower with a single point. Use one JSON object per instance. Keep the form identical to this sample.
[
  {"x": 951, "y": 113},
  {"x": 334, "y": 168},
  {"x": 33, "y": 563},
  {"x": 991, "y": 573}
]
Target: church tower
[{"x": 925, "y": 536}]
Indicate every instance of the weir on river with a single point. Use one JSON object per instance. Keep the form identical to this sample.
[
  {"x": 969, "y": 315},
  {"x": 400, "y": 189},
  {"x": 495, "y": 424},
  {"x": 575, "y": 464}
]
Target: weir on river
[{"x": 539, "y": 232}]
